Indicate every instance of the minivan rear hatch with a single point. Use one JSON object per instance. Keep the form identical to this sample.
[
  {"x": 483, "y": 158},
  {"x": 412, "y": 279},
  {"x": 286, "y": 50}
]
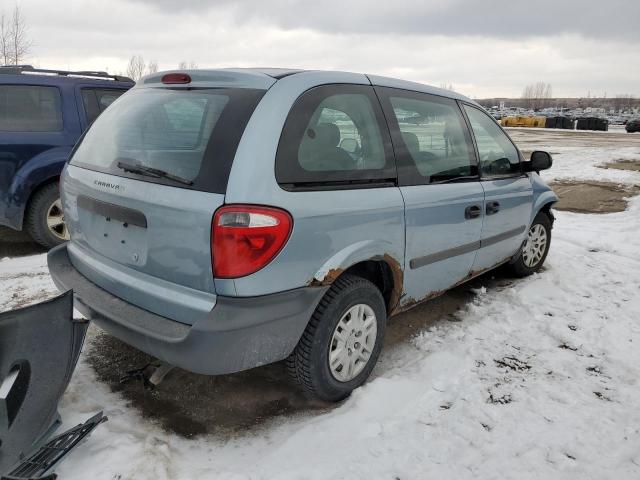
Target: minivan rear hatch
[{"x": 143, "y": 184}]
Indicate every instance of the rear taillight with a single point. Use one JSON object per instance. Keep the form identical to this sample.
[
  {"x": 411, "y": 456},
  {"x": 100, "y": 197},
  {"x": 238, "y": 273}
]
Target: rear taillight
[{"x": 245, "y": 238}]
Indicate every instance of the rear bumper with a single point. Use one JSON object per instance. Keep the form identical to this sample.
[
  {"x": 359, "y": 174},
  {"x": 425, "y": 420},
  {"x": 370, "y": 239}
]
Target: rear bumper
[{"x": 239, "y": 333}]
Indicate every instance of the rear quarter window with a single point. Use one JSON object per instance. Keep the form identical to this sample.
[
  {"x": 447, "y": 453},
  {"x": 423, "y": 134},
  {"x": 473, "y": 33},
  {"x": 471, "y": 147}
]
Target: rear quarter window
[
  {"x": 335, "y": 135},
  {"x": 27, "y": 108}
]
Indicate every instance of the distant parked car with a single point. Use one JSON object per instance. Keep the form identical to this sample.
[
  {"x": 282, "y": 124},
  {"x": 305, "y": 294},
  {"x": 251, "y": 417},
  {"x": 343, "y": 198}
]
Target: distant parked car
[
  {"x": 222, "y": 220},
  {"x": 633, "y": 125},
  {"x": 42, "y": 115}
]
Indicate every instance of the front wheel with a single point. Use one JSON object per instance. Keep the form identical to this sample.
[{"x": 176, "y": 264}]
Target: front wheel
[
  {"x": 342, "y": 342},
  {"x": 535, "y": 248}
]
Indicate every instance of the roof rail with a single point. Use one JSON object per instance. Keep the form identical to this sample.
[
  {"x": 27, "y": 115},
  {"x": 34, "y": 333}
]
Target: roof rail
[{"x": 20, "y": 69}]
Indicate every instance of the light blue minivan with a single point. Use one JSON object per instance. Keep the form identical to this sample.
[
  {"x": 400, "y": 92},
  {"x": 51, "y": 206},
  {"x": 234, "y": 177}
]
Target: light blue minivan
[{"x": 226, "y": 219}]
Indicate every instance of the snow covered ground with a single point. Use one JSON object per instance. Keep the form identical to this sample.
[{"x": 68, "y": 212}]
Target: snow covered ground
[{"x": 539, "y": 378}]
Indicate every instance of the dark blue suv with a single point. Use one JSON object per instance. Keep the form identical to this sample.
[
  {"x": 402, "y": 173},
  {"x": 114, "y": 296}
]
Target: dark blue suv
[{"x": 42, "y": 115}]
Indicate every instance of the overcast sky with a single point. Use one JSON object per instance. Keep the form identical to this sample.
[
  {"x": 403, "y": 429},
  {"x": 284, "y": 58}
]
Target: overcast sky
[{"x": 484, "y": 48}]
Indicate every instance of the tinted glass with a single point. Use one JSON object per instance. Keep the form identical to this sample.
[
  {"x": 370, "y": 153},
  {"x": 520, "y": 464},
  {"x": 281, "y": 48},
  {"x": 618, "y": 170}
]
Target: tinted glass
[
  {"x": 433, "y": 139},
  {"x": 333, "y": 141},
  {"x": 90, "y": 103},
  {"x": 25, "y": 108},
  {"x": 95, "y": 100},
  {"x": 334, "y": 134},
  {"x": 498, "y": 156},
  {"x": 107, "y": 97},
  {"x": 187, "y": 134}
]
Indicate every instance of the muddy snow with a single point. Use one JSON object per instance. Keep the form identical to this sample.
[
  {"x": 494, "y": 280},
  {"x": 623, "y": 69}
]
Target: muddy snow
[{"x": 503, "y": 378}]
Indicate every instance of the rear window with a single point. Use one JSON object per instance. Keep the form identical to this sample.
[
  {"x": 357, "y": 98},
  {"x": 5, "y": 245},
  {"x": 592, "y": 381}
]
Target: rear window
[
  {"x": 26, "y": 108},
  {"x": 185, "y": 138}
]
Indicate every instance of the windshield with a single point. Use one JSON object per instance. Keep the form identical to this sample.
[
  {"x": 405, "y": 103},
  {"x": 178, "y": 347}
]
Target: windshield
[{"x": 183, "y": 138}]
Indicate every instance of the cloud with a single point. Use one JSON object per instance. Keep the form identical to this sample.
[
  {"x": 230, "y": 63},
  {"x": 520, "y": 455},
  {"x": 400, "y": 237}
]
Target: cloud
[
  {"x": 487, "y": 18},
  {"x": 68, "y": 35}
]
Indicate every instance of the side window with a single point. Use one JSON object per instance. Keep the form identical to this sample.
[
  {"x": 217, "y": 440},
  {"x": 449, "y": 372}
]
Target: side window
[
  {"x": 91, "y": 108},
  {"x": 432, "y": 141},
  {"x": 95, "y": 100},
  {"x": 335, "y": 133},
  {"x": 107, "y": 97},
  {"x": 26, "y": 108},
  {"x": 498, "y": 156}
]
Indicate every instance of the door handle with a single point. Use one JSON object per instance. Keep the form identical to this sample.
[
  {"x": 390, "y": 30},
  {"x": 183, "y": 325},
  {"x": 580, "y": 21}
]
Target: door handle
[
  {"x": 472, "y": 211},
  {"x": 493, "y": 207}
]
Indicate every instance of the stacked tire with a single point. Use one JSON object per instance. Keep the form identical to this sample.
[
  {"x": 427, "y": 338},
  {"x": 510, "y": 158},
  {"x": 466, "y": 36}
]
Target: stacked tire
[
  {"x": 559, "y": 122},
  {"x": 593, "y": 123},
  {"x": 551, "y": 122}
]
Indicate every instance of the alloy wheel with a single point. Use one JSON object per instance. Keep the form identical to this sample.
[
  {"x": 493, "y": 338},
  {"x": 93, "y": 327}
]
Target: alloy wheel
[
  {"x": 535, "y": 245},
  {"x": 55, "y": 221},
  {"x": 352, "y": 343}
]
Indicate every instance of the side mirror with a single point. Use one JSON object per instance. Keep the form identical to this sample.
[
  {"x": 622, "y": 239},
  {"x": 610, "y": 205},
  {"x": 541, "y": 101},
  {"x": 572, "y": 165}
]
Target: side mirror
[{"x": 539, "y": 161}]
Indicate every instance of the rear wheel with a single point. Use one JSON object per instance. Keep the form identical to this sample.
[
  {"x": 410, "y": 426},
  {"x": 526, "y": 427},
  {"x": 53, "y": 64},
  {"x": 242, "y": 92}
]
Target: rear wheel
[
  {"x": 45, "y": 219},
  {"x": 342, "y": 341},
  {"x": 535, "y": 248}
]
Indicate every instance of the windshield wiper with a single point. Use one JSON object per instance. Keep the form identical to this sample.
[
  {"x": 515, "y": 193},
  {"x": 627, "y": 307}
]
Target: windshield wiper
[
  {"x": 151, "y": 172},
  {"x": 462, "y": 178}
]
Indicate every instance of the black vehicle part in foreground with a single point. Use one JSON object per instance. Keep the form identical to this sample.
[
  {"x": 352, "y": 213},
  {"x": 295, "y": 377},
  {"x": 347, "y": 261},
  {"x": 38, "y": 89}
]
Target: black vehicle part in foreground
[
  {"x": 39, "y": 349},
  {"x": 42, "y": 461}
]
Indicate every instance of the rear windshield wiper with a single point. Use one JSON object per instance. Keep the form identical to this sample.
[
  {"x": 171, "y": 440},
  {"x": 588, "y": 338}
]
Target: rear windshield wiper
[
  {"x": 151, "y": 172},
  {"x": 462, "y": 178}
]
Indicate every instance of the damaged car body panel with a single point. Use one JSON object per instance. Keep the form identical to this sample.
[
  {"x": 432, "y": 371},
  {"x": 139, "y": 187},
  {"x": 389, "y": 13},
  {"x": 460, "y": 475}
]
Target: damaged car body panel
[{"x": 39, "y": 349}]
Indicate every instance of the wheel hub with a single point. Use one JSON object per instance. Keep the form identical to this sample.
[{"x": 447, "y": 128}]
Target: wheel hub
[
  {"x": 352, "y": 342},
  {"x": 55, "y": 221},
  {"x": 534, "y": 246}
]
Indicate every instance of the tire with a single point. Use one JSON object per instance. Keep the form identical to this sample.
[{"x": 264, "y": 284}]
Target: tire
[
  {"x": 527, "y": 263},
  {"x": 309, "y": 365},
  {"x": 45, "y": 205}
]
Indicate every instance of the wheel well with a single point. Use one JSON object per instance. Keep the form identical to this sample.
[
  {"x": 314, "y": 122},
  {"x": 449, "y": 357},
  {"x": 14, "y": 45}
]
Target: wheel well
[
  {"x": 386, "y": 277},
  {"x": 546, "y": 208}
]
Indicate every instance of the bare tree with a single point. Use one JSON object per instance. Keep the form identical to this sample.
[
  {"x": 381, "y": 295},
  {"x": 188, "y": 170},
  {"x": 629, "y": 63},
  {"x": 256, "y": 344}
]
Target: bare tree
[
  {"x": 623, "y": 101},
  {"x": 20, "y": 41},
  {"x": 15, "y": 44},
  {"x": 184, "y": 65},
  {"x": 5, "y": 39},
  {"x": 135, "y": 69},
  {"x": 617, "y": 102},
  {"x": 537, "y": 95},
  {"x": 152, "y": 67}
]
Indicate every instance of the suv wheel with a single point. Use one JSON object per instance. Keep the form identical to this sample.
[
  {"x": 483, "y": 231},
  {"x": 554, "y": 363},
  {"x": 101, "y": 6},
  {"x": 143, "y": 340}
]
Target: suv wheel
[
  {"x": 45, "y": 219},
  {"x": 535, "y": 248},
  {"x": 342, "y": 341}
]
